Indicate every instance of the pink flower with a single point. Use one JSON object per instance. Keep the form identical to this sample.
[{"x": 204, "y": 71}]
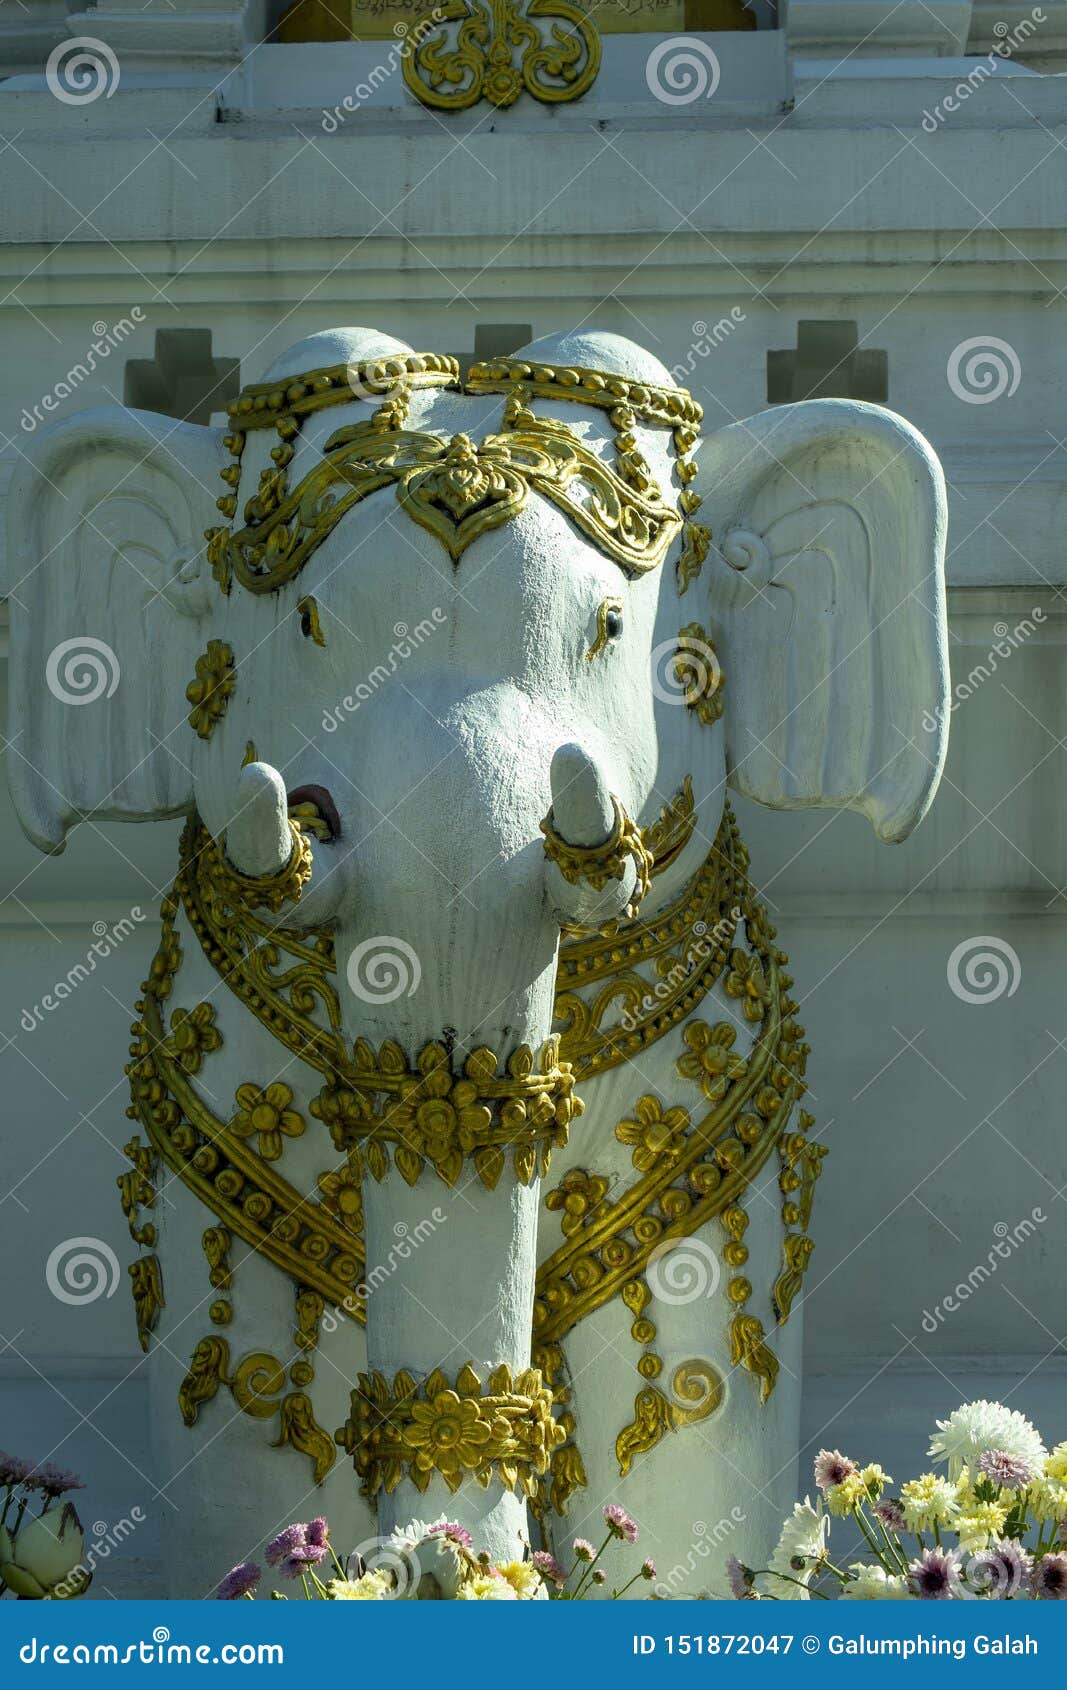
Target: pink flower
[
  {"x": 619, "y": 1523},
  {"x": 890, "y": 1513},
  {"x": 832, "y": 1468},
  {"x": 548, "y": 1567},
  {"x": 1006, "y": 1470},
  {"x": 648, "y": 1569},
  {"x": 455, "y": 1533},
  {"x": 298, "y": 1547},
  {"x": 739, "y": 1579},
  {"x": 239, "y": 1581},
  {"x": 52, "y": 1480}
]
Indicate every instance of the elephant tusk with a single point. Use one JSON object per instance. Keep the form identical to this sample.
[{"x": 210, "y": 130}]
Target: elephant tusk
[
  {"x": 259, "y": 839},
  {"x": 598, "y": 865}
]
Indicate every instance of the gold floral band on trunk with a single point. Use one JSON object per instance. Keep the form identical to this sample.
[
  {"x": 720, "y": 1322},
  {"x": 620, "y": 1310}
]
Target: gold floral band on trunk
[{"x": 409, "y": 1430}]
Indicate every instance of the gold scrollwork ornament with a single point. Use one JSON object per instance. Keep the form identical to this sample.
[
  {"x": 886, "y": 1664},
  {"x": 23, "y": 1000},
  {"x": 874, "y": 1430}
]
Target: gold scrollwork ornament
[{"x": 482, "y": 62}]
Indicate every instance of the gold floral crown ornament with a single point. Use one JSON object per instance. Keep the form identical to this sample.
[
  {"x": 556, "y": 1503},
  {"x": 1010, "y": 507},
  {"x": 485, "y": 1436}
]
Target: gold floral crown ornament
[{"x": 457, "y": 489}]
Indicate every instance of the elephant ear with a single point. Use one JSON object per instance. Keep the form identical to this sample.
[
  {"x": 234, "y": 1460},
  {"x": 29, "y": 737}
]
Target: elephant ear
[
  {"x": 107, "y": 514},
  {"x": 828, "y": 528}
]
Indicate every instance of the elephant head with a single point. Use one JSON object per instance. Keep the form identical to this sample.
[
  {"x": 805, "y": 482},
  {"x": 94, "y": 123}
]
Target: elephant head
[{"x": 478, "y": 635}]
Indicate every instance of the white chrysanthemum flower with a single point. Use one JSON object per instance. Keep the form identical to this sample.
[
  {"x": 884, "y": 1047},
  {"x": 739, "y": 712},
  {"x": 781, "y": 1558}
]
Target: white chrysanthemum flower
[
  {"x": 874, "y": 1584},
  {"x": 800, "y": 1552},
  {"x": 982, "y": 1425}
]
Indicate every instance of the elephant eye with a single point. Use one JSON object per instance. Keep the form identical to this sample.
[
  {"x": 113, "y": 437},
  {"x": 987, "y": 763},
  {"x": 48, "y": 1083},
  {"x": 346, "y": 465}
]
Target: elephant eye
[
  {"x": 310, "y": 627},
  {"x": 608, "y": 626}
]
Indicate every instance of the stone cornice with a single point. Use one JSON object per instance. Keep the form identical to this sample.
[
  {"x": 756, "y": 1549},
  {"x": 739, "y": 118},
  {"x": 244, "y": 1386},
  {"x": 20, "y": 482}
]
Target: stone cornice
[{"x": 876, "y": 28}]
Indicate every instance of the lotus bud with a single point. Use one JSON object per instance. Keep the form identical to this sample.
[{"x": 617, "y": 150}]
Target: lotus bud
[{"x": 44, "y": 1558}]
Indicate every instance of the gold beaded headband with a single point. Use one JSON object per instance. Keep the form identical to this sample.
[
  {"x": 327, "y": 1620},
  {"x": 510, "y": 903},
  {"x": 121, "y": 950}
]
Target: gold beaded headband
[{"x": 457, "y": 490}]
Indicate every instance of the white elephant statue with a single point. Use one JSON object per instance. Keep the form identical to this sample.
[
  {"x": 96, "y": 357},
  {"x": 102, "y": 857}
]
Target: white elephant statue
[{"x": 467, "y": 1081}]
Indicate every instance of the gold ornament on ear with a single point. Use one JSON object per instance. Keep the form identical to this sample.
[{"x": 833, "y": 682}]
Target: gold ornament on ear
[
  {"x": 210, "y": 690},
  {"x": 699, "y": 672}
]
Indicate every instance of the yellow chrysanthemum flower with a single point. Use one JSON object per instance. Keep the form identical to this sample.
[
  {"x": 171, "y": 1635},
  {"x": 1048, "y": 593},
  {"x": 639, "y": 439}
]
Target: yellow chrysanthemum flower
[
  {"x": 982, "y": 1521},
  {"x": 1048, "y": 1500},
  {"x": 843, "y": 1498},
  {"x": 372, "y": 1587},
  {"x": 1056, "y": 1464},
  {"x": 485, "y": 1587},
  {"x": 874, "y": 1479},
  {"x": 523, "y": 1578},
  {"x": 928, "y": 1501}
]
